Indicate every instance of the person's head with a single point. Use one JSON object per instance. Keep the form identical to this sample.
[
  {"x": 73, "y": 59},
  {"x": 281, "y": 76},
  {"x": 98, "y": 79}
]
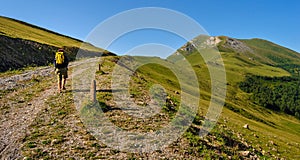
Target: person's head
[{"x": 60, "y": 50}]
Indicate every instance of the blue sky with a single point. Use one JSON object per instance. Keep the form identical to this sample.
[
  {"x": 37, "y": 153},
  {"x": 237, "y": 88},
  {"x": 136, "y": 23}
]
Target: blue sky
[{"x": 273, "y": 20}]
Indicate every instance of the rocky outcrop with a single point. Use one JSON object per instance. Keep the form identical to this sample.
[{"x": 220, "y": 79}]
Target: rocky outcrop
[
  {"x": 223, "y": 43},
  {"x": 17, "y": 53},
  {"x": 233, "y": 45}
]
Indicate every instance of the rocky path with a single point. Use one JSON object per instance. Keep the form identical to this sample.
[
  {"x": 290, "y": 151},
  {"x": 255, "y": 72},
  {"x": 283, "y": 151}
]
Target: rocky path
[
  {"x": 16, "y": 113},
  {"x": 16, "y": 120}
]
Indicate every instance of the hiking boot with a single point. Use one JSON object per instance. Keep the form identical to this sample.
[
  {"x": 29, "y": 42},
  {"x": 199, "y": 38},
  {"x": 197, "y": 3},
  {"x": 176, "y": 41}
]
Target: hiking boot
[{"x": 64, "y": 88}]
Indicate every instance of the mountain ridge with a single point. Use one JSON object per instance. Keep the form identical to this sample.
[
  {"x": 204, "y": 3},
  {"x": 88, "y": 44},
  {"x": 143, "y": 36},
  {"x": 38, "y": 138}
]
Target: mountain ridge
[
  {"x": 257, "y": 49},
  {"x": 19, "y": 29},
  {"x": 41, "y": 28}
]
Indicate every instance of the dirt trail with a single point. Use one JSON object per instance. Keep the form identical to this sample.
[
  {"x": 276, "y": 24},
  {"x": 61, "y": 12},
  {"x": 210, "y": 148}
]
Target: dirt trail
[
  {"x": 15, "y": 123},
  {"x": 17, "y": 115}
]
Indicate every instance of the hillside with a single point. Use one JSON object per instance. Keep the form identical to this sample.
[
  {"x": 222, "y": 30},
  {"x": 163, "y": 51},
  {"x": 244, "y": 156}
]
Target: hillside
[
  {"x": 37, "y": 123},
  {"x": 274, "y": 54},
  {"x": 274, "y": 91},
  {"x": 18, "y": 29},
  {"x": 23, "y": 44},
  {"x": 275, "y": 70}
]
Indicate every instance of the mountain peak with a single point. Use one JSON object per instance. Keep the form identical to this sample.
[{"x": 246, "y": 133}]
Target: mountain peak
[
  {"x": 232, "y": 44},
  {"x": 224, "y": 44}
]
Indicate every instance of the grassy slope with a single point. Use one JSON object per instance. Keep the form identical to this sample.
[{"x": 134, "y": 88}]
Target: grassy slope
[
  {"x": 269, "y": 126},
  {"x": 277, "y": 54},
  {"x": 18, "y": 29}
]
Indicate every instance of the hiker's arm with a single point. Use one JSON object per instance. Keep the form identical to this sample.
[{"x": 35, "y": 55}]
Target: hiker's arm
[{"x": 67, "y": 61}]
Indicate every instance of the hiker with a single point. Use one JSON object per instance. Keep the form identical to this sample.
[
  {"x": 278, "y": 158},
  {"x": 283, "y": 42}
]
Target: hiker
[{"x": 61, "y": 63}]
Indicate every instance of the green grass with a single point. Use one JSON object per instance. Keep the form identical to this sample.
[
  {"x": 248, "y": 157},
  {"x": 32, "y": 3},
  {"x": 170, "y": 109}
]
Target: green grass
[
  {"x": 269, "y": 125},
  {"x": 265, "y": 124},
  {"x": 272, "y": 52},
  {"x": 18, "y": 29}
]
